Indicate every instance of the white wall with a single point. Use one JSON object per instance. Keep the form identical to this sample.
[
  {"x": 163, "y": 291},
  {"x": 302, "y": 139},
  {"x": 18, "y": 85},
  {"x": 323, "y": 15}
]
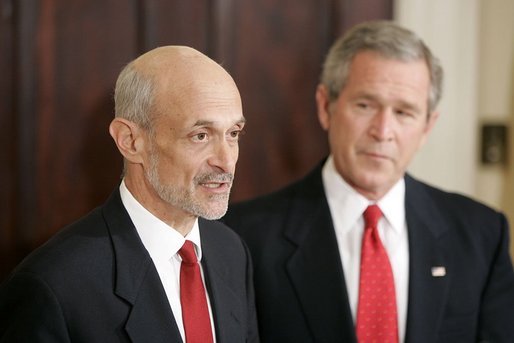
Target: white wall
[
  {"x": 495, "y": 87},
  {"x": 450, "y": 29},
  {"x": 475, "y": 41}
]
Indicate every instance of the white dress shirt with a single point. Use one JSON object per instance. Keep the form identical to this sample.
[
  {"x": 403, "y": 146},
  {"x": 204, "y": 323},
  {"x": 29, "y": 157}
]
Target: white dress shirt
[
  {"x": 346, "y": 208},
  {"x": 163, "y": 243}
]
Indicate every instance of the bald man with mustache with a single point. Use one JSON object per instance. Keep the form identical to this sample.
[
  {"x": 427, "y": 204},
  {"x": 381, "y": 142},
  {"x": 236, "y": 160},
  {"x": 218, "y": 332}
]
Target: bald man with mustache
[{"x": 116, "y": 275}]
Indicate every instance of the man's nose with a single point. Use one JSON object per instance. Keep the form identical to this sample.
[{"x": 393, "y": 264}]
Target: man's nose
[
  {"x": 382, "y": 125},
  {"x": 224, "y": 156}
]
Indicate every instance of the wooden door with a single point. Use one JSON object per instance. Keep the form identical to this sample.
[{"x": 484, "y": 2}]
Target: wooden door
[{"x": 59, "y": 60}]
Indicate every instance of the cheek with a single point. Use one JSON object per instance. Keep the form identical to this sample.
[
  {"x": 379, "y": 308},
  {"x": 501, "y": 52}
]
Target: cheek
[
  {"x": 234, "y": 150},
  {"x": 342, "y": 147},
  {"x": 411, "y": 144},
  {"x": 344, "y": 132},
  {"x": 174, "y": 166},
  {"x": 236, "y": 158}
]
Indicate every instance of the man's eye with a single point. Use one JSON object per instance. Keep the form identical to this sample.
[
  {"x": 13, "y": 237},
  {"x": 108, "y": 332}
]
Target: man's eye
[
  {"x": 201, "y": 136},
  {"x": 403, "y": 113},
  {"x": 364, "y": 106},
  {"x": 236, "y": 134}
]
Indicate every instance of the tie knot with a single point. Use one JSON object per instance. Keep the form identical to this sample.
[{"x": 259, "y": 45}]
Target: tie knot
[
  {"x": 187, "y": 252},
  {"x": 372, "y": 215}
]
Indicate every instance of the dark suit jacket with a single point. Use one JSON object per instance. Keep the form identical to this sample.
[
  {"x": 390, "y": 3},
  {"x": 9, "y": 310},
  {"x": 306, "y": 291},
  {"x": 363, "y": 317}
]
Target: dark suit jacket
[
  {"x": 95, "y": 282},
  {"x": 299, "y": 281}
]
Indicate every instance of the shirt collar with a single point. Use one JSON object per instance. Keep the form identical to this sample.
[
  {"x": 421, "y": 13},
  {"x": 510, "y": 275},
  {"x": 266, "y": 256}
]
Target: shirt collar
[
  {"x": 160, "y": 240},
  {"x": 351, "y": 204}
]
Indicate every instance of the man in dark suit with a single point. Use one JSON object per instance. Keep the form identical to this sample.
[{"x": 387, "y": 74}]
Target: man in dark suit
[
  {"x": 127, "y": 272},
  {"x": 446, "y": 275}
]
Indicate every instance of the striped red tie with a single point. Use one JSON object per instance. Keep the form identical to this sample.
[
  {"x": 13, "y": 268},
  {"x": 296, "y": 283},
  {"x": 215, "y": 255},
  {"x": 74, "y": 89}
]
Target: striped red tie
[
  {"x": 195, "y": 312},
  {"x": 376, "y": 313}
]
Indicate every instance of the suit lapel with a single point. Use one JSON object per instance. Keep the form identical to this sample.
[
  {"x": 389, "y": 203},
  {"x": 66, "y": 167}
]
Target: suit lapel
[
  {"x": 315, "y": 267},
  {"x": 225, "y": 304},
  {"x": 430, "y": 257},
  {"x": 310, "y": 228},
  {"x": 137, "y": 281}
]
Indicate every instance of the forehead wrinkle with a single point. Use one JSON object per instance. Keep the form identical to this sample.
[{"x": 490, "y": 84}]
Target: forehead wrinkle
[
  {"x": 200, "y": 122},
  {"x": 186, "y": 83},
  {"x": 197, "y": 90}
]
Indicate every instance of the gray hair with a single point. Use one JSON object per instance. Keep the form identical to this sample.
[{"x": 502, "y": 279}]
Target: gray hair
[
  {"x": 388, "y": 40},
  {"x": 134, "y": 96},
  {"x": 133, "y": 99}
]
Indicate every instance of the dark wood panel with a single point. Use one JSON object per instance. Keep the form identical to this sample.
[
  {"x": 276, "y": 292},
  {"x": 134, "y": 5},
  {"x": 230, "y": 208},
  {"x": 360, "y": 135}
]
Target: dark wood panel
[
  {"x": 176, "y": 23},
  {"x": 59, "y": 61},
  {"x": 277, "y": 50},
  {"x": 76, "y": 50},
  {"x": 24, "y": 123},
  {"x": 7, "y": 138},
  {"x": 350, "y": 12}
]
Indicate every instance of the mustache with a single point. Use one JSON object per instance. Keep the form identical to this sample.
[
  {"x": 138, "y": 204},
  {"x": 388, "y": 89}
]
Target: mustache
[{"x": 214, "y": 177}]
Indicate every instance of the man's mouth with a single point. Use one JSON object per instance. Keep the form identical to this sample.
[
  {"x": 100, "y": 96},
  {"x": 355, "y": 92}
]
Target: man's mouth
[
  {"x": 376, "y": 155},
  {"x": 221, "y": 182},
  {"x": 214, "y": 185}
]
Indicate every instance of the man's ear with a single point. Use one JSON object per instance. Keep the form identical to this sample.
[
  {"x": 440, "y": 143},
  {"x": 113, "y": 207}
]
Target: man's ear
[
  {"x": 129, "y": 139},
  {"x": 323, "y": 103}
]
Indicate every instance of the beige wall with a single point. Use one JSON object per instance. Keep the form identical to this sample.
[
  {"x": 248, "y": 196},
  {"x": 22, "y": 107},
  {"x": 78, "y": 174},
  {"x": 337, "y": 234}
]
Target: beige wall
[
  {"x": 496, "y": 97},
  {"x": 496, "y": 75},
  {"x": 475, "y": 41},
  {"x": 449, "y": 28},
  {"x": 495, "y": 184}
]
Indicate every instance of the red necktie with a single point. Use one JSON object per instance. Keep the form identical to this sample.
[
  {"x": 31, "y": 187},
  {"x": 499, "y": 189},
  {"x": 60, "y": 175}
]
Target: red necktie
[
  {"x": 195, "y": 312},
  {"x": 376, "y": 312}
]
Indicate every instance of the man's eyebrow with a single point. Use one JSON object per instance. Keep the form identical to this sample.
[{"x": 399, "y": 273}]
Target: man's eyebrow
[
  {"x": 410, "y": 106},
  {"x": 402, "y": 103},
  {"x": 198, "y": 123},
  {"x": 203, "y": 123}
]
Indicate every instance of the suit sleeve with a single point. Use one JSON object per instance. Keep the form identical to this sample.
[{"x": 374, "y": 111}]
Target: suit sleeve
[
  {"x": 30, "y": 312},
  {"x": 496, "y": 317}
]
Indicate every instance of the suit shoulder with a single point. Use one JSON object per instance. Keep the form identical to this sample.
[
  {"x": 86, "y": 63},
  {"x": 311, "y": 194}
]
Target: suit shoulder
[
  {"x": 85, "y": 240},
  {"x": 219, "y": 229},
  {"x": 219, "y": 238},
  {"x": 277, "y": 202},
  {"x": 462, "y": 210},
  {"x": 256, "y": 214},
  {"x": 456, "y": 201}
]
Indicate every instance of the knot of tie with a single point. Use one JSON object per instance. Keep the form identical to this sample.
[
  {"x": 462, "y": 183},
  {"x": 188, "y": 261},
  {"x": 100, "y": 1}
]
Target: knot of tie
[
  {"x": 372, "y": 215},
  {"x": 187, "y": 252}
]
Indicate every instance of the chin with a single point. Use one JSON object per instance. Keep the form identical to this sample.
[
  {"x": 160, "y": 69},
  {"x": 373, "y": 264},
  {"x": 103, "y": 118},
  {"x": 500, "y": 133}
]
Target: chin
[
  {"x": 371, "y": 182},
  {"x": 213, "y": 215},
  {"x": 214, "y": 210}
]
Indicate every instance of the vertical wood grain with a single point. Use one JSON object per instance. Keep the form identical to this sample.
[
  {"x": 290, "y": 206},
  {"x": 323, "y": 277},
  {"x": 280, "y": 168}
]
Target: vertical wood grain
[{"x": 59, "y": 60}]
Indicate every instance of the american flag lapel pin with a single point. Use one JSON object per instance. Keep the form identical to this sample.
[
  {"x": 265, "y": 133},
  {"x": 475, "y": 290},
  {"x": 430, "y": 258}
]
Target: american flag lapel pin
[{"x": 438, "y": 271}]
